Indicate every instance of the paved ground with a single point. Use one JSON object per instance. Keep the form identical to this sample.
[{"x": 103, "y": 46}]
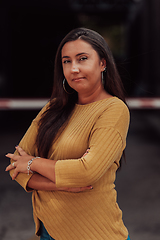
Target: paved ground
[{"x": 138, "y": 182}]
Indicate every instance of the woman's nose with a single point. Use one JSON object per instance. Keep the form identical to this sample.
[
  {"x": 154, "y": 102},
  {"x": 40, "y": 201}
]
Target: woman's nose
[{"x": 74, "y": 68}]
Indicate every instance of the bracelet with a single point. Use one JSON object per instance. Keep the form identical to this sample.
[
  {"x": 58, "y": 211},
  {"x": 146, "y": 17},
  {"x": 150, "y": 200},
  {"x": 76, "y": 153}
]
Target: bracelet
[{"x": 29, "y": 163}]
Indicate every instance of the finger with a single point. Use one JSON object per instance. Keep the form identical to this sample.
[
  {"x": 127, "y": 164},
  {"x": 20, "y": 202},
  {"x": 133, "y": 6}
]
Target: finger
[
  {"x": 13, "y": 156},
  {"x": 87, "y": 151},
  {"x": 79, "y": 189},
  {"x": 86, "y": 188},
  {"x": 14, "y": 175},
  {"x": 84, "y": 154},
  {"x": 10, "y": 167},
  {"x": 21, "y": 151}
]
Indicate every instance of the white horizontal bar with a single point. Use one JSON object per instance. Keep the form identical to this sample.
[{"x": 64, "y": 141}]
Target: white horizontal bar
[
  {"x": 143, "y": 103},
  {"x": 34, "y": 104},
  {"x": 22, "y": 104}
]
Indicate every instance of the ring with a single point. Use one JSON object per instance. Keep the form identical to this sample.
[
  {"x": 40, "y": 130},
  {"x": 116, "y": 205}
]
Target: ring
[{"x": 13, "y": 165}]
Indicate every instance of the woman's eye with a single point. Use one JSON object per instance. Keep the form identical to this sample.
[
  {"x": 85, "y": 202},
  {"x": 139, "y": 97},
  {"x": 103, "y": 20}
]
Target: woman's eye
[
  {"x": 83, "y": 58},
  {"x": 66, "y": 61}
]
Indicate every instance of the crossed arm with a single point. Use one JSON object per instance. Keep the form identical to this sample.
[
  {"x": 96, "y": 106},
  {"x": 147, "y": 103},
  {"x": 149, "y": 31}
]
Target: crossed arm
[{"x": 44, "y": 172}]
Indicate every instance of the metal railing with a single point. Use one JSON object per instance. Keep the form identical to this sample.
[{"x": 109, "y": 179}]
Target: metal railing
[{"x": 35, "y": 104}]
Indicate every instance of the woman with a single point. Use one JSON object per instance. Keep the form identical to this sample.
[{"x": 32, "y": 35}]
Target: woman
[{"x": 70, "y": 154}]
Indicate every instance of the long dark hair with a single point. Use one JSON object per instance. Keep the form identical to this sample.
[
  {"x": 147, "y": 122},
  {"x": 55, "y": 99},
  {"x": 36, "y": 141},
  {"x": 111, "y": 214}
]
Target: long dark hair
[{"x": 62, "y": 103}]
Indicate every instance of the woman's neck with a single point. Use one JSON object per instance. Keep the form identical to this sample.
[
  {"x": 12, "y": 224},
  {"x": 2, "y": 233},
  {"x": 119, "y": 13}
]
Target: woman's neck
[{"x": 82, "y": 99}]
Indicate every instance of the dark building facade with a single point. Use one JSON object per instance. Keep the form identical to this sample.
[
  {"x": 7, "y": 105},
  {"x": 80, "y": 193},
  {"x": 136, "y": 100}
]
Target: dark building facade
[{"x": 31, "y": 31}]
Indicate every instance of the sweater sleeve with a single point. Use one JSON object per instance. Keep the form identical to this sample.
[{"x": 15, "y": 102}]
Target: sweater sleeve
[
  {"x": 106, "y": 142},
  {"x": 28, "y": 145}
]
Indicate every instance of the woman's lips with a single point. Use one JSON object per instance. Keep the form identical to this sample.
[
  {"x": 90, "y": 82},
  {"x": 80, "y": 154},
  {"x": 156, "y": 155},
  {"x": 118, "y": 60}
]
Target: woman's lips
[{"x": 77, "y": 79}]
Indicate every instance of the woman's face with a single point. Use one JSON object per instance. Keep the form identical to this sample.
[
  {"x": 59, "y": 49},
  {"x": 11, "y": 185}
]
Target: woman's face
[{"x": 82, "y": 66}]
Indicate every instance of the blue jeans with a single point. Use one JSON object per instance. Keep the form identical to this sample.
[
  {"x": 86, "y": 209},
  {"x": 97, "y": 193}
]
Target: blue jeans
[{"x": 44, "y": 234}]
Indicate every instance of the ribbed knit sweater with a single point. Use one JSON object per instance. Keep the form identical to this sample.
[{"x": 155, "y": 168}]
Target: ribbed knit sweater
[{"x": 94, "y": 214}]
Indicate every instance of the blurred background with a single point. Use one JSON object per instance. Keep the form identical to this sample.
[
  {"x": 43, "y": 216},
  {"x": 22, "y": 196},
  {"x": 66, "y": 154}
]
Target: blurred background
[{"x": 30, "y": 32}]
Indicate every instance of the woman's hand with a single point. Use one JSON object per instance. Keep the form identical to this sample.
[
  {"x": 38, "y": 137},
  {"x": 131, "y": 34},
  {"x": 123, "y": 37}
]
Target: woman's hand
[
  {"x": 75, "y": 189},
  {"x": 20, "y": 162}
]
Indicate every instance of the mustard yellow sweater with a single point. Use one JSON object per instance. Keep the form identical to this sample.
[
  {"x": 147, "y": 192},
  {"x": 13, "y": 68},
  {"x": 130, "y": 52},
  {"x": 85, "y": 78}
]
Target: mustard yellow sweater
[{"x": 94, "y": 214}]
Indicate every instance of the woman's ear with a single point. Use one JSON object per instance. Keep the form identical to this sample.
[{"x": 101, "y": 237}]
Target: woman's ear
[{"x": 103, "y": 64}]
